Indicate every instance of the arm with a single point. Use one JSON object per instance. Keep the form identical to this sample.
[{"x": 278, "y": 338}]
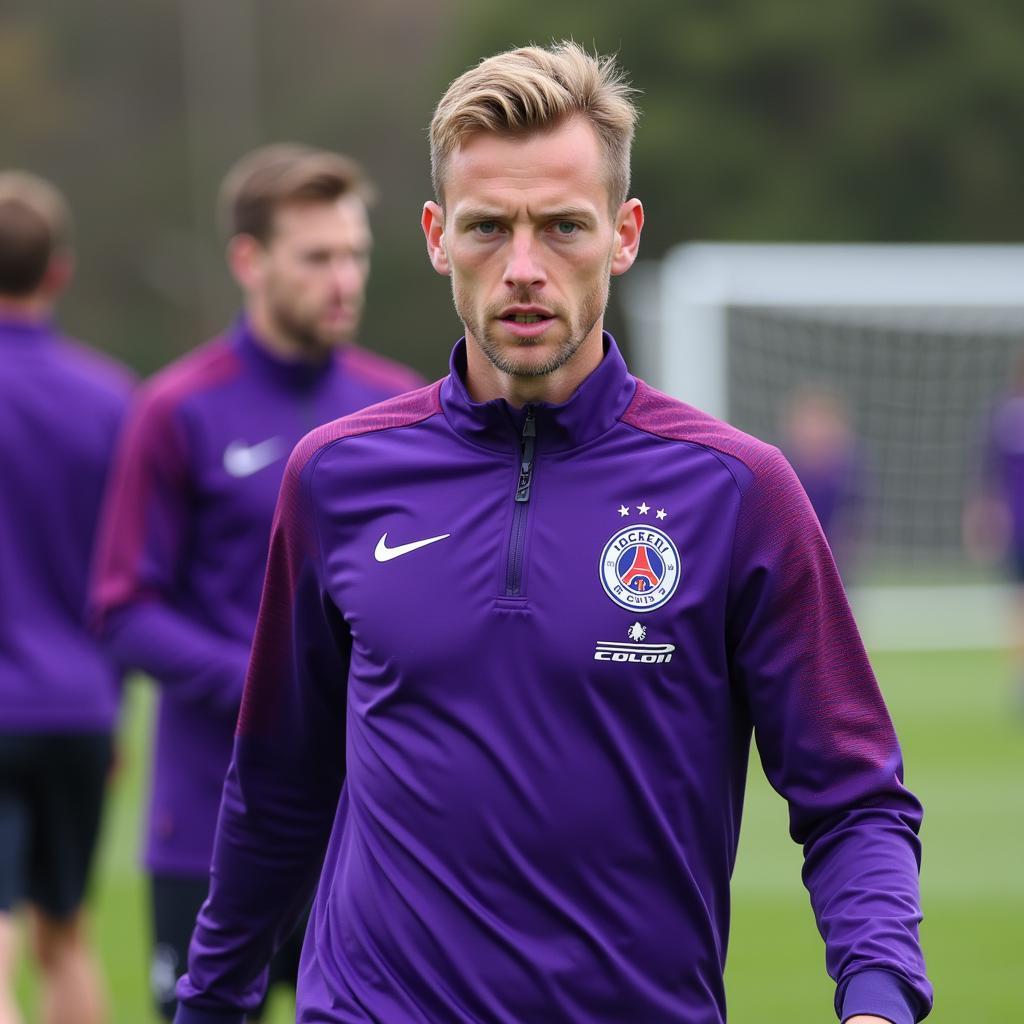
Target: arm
[
  {"x": 284, "y": 783},
  {"x": 142, "y": 541},
  {"x": 827, "y": 745}
]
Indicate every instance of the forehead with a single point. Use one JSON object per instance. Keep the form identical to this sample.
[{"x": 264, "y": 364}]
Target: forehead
[
  {"x": 341, "y": 221},
  {"x": 563, "y": 165}
]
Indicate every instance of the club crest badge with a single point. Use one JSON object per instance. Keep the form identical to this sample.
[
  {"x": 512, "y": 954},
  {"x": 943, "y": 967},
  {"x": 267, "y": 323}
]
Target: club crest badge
[{"x": 640, "y": 568}]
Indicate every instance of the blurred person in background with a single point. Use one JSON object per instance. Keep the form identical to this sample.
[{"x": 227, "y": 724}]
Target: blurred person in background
[
  {"x": 189, "y": 510},
  {"x": 818, "y": 440},
  {"x": 516, "y": 632},
  {"x": 993, "y": 524},
  {"x": 60, "y": 408}
]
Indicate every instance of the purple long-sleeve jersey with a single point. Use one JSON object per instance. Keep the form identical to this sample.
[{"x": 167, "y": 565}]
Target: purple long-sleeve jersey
[
  {"x": 506, "y": 671},
  {"x": 184, "y": 547},
  {"x": 60, "y": 406}
]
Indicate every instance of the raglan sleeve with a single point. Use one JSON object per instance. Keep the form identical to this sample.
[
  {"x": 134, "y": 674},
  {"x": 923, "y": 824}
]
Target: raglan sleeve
[
  {"x": 828, "y": 746},
  {"x": 284, "y": 782},
  {"x": 141, "y": 545}
]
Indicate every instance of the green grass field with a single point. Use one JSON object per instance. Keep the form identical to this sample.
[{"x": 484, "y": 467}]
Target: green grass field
[{"x": 964, "y": 750}]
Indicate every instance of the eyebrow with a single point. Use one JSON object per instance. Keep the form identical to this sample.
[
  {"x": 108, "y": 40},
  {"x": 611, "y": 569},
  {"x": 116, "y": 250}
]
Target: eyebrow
[
  {"x": 580, "y": 213},
  {"x": 475, "y": 215}
]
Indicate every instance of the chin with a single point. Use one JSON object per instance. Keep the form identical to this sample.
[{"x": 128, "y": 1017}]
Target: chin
[
  {"x": 332, "y": 339},
  {"x": 536, "y": 363}
]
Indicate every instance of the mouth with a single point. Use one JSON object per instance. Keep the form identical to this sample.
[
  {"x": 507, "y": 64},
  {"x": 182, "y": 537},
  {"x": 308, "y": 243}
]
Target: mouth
[
  {"x": 526, "y": 324},
  {"x": 524, "y": 318},
  {"x": 526, "y": 321}
]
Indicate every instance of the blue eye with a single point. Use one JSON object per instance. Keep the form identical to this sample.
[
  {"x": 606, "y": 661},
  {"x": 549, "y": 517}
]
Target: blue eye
[
  {"x": 487, "y": 227},
  {"x": 566, "y": 227}
]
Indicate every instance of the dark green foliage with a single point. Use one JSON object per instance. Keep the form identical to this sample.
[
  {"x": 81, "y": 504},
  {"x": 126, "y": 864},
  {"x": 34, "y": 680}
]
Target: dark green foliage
[
  {"x": 852, "y": 120},
  {"x": 791, "y": 120}
]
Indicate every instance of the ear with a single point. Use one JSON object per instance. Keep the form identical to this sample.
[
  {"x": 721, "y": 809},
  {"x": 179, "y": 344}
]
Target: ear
[
  {"x": 432, "y": 223},
  {"x": 629, "y": 222},
  {"x": 59, "y": 273},
  {"x": 245, "y": 261}
]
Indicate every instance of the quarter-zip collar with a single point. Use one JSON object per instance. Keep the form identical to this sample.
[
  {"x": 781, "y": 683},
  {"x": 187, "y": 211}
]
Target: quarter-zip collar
[
  {"x": 591, "y": 411},
  {"x": 295, "y": 374},
  {"x": 23, "y": 328}
]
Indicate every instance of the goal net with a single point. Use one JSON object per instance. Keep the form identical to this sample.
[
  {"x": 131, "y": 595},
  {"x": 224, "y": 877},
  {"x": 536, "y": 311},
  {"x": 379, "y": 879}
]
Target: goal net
[{"x": 909, "y": 346}]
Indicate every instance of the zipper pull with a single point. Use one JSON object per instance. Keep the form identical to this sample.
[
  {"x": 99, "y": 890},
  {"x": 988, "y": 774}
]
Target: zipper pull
[{"x": 526, "y": 465}]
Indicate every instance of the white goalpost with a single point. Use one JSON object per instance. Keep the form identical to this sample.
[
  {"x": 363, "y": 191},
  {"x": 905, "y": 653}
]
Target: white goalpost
[{"x": 917, "y": 341}]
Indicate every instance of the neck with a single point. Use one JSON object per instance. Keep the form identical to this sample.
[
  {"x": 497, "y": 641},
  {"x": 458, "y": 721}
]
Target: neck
[
  {"x": 27, "y": 307},
  {"x": 485, "y": 382}
]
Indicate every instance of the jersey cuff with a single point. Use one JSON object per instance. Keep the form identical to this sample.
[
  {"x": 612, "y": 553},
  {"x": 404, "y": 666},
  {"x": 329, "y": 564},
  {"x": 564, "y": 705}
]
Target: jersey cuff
[
  {"x": 881, "y": 994},
  {"x": 194, "y": 1015}
]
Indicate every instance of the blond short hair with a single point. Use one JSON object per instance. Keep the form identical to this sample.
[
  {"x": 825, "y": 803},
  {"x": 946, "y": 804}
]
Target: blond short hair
[
  {"x": 34, "y": 224},
  {"x": 534, "y": 89},
  {"x": 283, "y": 174}
]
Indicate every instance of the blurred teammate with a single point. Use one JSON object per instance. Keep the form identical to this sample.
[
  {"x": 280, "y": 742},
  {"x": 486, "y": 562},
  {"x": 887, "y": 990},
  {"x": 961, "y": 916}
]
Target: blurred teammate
[
  {"x": 994, "y": 514},
  {"x": 188, "y": 517},
  {"x": 60, "y": 406},
  {"x": 515, "y": 632},
  {"x": 823, "y": 450}
]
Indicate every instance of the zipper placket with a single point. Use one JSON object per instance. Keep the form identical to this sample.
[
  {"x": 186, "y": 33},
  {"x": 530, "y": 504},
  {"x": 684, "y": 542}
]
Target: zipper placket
[
  {"x": 517, "y": 538},
  {"x": 307, "y": 411}
]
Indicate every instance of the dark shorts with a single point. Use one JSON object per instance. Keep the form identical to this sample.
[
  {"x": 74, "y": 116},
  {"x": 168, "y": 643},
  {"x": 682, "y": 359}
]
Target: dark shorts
[
  {"x": 51, "y": 798},
  {"x": 176, "y": 903}
]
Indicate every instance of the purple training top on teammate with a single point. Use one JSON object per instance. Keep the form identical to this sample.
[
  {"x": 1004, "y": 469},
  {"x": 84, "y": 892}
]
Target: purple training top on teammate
[
  {"x": 184, "y": 548},
  {"x": 506, "y": 670},
  {"x": 836, "y": 489},
  {"x": 60, "y": 406},
  {"x": 1003, "y": 463}
]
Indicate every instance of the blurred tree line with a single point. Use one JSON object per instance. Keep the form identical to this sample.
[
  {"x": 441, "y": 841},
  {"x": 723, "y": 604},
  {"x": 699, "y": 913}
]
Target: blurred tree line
[{"x": 782, "y": 120}]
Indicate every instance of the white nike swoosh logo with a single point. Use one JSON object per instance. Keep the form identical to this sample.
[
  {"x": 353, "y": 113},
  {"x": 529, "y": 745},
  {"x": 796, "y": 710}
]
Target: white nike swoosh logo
[
  {"x": 384, "y": 554},
  {"x": 241, "y": 459}
]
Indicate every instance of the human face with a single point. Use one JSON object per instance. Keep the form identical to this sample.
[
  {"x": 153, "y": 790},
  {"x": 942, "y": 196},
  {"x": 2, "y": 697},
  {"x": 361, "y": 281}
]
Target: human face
[
  {"x": 306, "y": 285},
  {"x": 529, "y": 238}
]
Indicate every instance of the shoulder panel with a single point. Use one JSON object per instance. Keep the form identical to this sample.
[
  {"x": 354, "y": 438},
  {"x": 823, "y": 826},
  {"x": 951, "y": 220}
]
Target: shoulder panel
[
  {"x": 205, "y": 367},
  {"x": 103, "y": 370},
  {"x": 659, "y": 414}
]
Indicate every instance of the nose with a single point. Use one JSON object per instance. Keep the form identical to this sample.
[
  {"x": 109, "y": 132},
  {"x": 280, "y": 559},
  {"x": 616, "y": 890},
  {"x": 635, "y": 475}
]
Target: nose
[
  {"x": 524, "y": 269},
  {"x": 348, "y": 275}
]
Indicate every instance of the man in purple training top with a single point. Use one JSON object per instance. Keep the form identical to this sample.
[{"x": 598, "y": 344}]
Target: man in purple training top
[
  {"x": 515, "y": 633},
  {"x": 60, "y": 407},
  {"x": 187, "y": 524},
  {"x": 821, "y": 447},
  {"x": 994, "y": 513}
]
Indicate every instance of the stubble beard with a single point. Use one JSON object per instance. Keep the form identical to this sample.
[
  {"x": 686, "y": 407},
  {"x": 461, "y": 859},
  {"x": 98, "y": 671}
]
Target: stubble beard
[
  {"x": 503, "y": 355},
  {"x": 313, "y": 342}
]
